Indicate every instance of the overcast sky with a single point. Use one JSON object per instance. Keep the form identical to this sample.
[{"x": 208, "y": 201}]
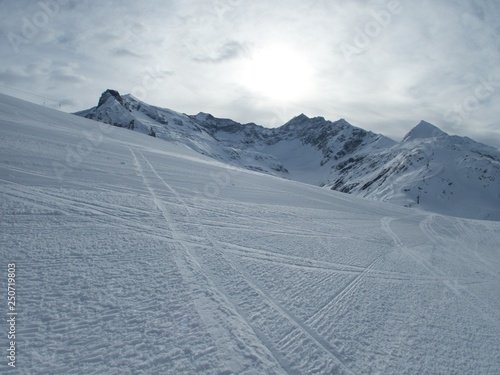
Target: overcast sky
[{"x": 381, "y": 65}]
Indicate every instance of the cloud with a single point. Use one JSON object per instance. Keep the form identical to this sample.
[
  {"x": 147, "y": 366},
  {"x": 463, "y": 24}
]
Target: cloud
[
  {"x": 125, "y": 52},
  {"x": 420, "y": 64},
  {"x": 67, "y": 74},
  {"x": 14, "y": 77},
  {"x": 42, "y": 72},
  {"x": 228, "y": 51}
]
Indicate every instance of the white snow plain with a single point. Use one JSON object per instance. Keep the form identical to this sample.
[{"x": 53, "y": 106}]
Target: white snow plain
[{"x": 139, "y": 256}]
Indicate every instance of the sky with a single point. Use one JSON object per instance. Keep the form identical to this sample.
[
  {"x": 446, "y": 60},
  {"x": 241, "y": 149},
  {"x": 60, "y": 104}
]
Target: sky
[{"x": 382, "y": 65}]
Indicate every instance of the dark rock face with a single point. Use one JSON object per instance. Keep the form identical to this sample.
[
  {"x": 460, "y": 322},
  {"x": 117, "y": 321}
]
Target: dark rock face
[{"x": 106, "y": 94}]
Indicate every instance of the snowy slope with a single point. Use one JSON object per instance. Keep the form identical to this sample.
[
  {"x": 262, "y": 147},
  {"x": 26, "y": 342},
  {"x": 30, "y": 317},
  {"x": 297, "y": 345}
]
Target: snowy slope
[
  {"x": 430, "y": 169},
  {"x": 140, "y": 256},
  {"x": 446, "y": 174}
]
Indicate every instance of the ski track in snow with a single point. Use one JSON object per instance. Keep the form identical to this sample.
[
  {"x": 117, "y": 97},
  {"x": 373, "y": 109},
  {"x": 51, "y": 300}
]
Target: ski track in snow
[
  {"x": 121, "y": 270},
  {"x": 426, "y": 225},
  {"x": 189, "y": 265},
  {"x": 267, "y": 304}
]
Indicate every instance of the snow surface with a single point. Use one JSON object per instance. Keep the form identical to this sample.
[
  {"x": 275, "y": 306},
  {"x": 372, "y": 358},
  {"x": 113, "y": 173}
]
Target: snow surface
[{"x": 140, "y": 256}]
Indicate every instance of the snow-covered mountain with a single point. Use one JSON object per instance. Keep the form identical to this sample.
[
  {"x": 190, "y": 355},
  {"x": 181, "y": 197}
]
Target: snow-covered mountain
[{"x": 442, "y": 173}]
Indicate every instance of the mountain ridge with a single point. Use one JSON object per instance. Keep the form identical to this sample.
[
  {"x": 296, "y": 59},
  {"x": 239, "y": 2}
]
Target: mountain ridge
[{"x": 447, "y": 174}]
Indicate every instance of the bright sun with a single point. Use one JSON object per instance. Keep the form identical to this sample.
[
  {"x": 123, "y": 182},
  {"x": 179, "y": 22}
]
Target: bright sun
[{"x": 278, "y": 72}]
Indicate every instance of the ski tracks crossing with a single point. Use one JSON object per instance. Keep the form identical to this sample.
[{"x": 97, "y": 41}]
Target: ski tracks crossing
[
  {"x": 238, "y": 292},
  {"x": 450, "y": 282},
  {"x": 220, "y": 317}
]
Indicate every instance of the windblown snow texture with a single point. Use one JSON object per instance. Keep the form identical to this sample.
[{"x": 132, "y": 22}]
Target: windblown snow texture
[{"x": 139, "y": 256}]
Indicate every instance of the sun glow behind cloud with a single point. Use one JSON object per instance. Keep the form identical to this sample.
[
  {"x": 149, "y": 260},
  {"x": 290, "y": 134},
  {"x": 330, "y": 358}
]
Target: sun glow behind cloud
[
  {"x": 279, "y": 72},
  {"x": 265, "y": 62}
]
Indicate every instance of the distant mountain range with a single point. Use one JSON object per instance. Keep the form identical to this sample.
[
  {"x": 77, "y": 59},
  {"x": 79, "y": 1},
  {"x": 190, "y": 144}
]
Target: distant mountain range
[{"x": 429, "y": 169}]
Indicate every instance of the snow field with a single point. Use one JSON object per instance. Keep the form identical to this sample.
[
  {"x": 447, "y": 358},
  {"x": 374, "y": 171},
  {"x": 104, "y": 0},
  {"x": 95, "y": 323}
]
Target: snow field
[{"x": 128, "y": 266}]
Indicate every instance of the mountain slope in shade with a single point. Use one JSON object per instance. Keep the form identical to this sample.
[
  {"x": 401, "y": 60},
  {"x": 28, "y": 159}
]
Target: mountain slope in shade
[{"x": 428, "y": 169}]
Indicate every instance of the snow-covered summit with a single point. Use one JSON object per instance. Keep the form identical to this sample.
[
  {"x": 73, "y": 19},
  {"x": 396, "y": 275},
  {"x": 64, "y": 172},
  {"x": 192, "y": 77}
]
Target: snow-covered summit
[
  {"x": 202, "y": 116},
  {"x": 298, "y": 120},
  {"x": 424, "y": 130},
  {"x": 106, "y": 95}
]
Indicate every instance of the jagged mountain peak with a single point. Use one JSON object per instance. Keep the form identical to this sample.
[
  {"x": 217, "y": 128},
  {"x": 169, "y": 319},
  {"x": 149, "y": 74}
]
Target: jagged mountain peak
[
  {"x": 202, "y": 116},
  {"x": 297, "y": 120},
  {"x": 107, "y": 94},
  {"x": 316, "y": 121},
  {"x": 301, "y": 117},
  {"x": 424, "y": 130}
]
